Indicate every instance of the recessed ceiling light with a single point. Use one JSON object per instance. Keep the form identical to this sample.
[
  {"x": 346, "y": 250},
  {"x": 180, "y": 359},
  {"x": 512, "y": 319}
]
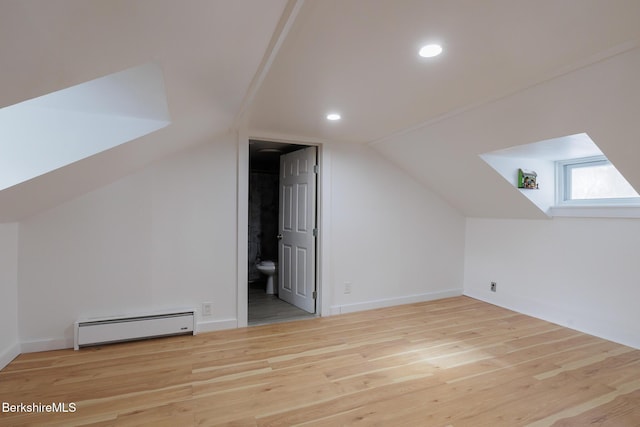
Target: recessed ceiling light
[
  {"x": 430, "y": 50},
  {"x": 333, "y": 116}
]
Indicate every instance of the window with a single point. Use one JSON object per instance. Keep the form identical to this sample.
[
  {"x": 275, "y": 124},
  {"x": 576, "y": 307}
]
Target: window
[{"x": 592, "y": 181}]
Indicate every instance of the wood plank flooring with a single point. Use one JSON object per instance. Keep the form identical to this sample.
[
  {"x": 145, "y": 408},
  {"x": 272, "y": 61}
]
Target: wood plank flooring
[{"x": 453, "y": 362}]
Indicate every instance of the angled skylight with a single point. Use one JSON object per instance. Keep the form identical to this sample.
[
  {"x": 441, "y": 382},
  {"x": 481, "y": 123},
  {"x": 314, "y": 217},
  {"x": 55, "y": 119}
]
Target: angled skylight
[{"x": 45, "y": 133}]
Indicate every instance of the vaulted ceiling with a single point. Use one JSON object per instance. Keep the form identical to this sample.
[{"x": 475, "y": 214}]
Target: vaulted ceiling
[
  {"x": 360, "y": 57},
  {"x": 278, "y": 67},
  {"x": 209, "y": 51}
]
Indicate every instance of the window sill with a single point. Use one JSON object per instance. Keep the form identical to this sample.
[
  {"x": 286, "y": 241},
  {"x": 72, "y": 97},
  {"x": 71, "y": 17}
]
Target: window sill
[{"x": 596, "y": 211}]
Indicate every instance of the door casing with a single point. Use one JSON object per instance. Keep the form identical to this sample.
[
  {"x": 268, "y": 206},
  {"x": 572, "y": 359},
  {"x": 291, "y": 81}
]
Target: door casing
[{"x": 323, "y": 266}]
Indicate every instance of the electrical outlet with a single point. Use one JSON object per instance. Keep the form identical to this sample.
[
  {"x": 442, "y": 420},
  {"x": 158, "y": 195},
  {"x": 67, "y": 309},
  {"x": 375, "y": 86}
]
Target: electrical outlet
[
  {"x": 207, "y": 309},
  {"x": 347, "y": 287},
  {"x": 493, "y": 286}
]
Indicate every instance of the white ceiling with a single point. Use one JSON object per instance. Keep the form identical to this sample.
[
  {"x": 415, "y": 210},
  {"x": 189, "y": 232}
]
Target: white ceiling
[
  {"x": 354, "y": 56},
  {"x": 563, "y": 148},
  {"x": 105, "y": 112},
  {"x": 209, "y": 51},
  {"x": 359, "y": 57}
]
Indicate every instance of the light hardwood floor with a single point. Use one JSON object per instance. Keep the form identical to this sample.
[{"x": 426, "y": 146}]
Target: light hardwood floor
[{"x": 453, "y": 362}]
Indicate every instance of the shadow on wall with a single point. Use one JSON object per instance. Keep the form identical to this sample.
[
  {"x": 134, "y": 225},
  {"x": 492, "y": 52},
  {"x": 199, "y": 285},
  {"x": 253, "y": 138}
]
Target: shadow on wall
[{"x": 263, "y": 219}]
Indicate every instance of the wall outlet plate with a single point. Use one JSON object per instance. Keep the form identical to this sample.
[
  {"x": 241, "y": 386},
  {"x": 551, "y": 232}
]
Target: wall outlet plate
[
  {"x": 207, "y": 309},
  {"x": 494, "y": 286}
]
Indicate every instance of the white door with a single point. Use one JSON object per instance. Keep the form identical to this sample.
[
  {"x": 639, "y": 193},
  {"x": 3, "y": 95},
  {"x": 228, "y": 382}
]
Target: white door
[{"x": 297, "y": 221}]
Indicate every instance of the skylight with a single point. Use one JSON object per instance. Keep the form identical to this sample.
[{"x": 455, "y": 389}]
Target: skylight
[{"x": 45, "y": 133}]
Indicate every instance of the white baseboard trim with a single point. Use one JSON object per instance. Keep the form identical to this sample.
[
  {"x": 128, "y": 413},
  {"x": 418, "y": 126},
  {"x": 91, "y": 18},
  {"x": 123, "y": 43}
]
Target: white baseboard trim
[
  {"x": 562, "y": 316},
  {"x": 216, "y": 325},
  {"x": 46, "y": 345},
  {"x": 9, "y": 354},
  {"x": 389, "y": 302}
]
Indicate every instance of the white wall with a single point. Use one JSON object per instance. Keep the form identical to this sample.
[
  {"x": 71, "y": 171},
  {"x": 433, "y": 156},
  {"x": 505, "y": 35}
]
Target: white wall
[
  {"x": 602, "y": 100},
  {"x": 544, "y": 196},
  {"x": 9, "y": 343},
  {"x": 391, "y": 238},
  {"x": 164, "y": 237},
  {"x": 580, "y": 273}
]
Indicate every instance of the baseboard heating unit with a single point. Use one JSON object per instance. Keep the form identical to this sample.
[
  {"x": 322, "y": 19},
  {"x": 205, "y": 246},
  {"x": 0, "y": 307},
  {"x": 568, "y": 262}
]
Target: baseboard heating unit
[{"x": 107, "y": 330}]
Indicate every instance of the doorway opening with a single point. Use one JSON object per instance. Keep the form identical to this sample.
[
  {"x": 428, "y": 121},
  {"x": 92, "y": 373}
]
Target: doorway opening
[{"x": 282, "y": 230}]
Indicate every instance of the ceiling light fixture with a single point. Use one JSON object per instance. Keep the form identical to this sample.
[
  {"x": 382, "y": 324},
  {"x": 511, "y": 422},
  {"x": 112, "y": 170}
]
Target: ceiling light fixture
[
  {"x": 333, "y": 116},
  {"x": 430, "y": 50}
]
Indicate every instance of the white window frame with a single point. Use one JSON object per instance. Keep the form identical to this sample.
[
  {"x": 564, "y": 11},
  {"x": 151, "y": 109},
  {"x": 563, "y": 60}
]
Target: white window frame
[{"x": 563, "y": 185}]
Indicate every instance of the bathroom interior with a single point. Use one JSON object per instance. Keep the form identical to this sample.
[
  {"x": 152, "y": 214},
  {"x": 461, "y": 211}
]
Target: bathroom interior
[{"x": 264, "y": 173}]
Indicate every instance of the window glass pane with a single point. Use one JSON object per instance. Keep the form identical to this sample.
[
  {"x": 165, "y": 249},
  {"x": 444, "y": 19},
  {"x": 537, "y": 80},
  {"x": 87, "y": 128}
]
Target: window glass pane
[{"x": 599, "y": 182}]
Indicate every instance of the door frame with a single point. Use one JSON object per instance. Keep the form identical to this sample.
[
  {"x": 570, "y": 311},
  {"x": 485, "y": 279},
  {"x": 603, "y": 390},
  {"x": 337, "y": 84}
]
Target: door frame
[{"x": 323, "y": 201}]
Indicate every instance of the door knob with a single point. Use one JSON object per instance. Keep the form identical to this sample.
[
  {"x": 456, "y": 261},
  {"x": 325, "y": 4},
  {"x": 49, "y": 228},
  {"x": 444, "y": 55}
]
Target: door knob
[{"x": 279, "y": 236}]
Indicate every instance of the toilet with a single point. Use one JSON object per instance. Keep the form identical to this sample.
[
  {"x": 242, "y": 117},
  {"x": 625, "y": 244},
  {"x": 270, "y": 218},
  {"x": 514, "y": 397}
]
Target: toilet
[{"x": 269, "y": 269}]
